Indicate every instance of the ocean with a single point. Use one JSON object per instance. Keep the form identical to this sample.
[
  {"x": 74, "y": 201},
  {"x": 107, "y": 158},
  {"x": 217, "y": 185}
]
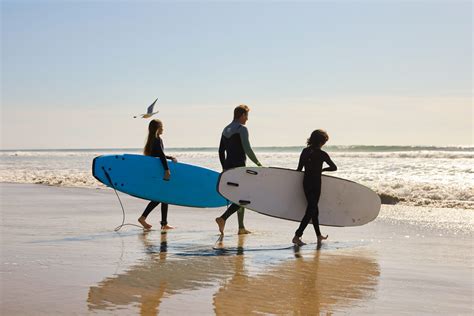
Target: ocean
[{"x": 410, "y": 175}]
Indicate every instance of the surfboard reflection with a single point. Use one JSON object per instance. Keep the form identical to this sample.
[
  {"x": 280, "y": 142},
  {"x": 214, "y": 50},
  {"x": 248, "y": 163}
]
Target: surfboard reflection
[{"x": 307, "y": 285}]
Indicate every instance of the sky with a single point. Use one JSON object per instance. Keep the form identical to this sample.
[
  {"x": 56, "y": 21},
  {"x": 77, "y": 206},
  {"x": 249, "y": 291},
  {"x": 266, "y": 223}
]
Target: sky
[{"x": 74, "y": 73}]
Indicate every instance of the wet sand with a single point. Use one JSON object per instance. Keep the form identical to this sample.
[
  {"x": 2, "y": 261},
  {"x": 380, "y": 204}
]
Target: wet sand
[{"x": 60, "y": 255}]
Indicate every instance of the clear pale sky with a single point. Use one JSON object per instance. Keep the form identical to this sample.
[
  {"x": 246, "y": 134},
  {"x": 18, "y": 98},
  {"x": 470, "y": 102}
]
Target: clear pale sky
[{"x": 369, "y": 72}]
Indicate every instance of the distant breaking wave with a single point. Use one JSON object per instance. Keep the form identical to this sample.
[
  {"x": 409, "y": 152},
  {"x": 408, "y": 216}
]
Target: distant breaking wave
[{"x": 366, "y": 152}]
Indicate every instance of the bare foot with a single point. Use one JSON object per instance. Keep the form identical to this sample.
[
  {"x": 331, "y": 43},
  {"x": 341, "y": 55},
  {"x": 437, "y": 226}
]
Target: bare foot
[
  {"x": 166, "y": 227},
  {"x": 243, "y": 231},
  {"x": 221, "y": 223},
  {"x": 297, "y": 241},
  {"x": 142, "y": 221},
  {"x": 321, "y": 238}
]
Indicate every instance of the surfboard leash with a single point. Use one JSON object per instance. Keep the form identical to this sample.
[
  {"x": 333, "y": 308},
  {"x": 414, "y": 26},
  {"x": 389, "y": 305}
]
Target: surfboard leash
[{"x": 116, "y": 229}]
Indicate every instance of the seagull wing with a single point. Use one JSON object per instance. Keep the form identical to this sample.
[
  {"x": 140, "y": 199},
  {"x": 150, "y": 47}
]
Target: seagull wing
[{"x": 150, "y": 108}]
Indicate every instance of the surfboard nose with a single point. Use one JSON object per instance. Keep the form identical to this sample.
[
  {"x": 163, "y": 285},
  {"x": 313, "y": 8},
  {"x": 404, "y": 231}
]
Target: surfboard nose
[
  {"x": 98, "y": 165},
  {"x": 94, "y": 167}
]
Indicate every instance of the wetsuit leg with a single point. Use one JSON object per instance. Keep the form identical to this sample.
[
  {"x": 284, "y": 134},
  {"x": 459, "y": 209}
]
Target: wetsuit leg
[
  {"x": 240, "y": 217},
  {"x": 231, "y": 210},
  {"x": 308, "y": 214},
  {"x": 164, "y": 214},
  {"x": 150, "y": 208},
  {"x": 315, "y": 213}
]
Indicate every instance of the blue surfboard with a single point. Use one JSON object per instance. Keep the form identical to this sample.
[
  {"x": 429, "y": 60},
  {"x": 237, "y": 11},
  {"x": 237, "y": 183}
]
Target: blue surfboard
[{"x": 142, "y": 177}]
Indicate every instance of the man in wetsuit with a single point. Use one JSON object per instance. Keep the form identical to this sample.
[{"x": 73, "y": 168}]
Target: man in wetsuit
[{"x": 233, "y": 151}]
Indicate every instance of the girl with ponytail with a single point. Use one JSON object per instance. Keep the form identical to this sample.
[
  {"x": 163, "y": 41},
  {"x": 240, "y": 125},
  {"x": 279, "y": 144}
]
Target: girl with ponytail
[{"x": 154, "y": 148}]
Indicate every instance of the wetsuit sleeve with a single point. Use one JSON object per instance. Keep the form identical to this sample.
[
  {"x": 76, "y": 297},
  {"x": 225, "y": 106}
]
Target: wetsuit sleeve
[
  {"x": 332, "y": 165},
  {"x": 244, "y": 136},
  {"x": 161, "y": 155},
  {"x": 302, "y": 160},
  {"x": 222, "y": 151}
]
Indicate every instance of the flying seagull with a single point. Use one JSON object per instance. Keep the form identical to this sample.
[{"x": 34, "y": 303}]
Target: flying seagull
[{"x": 149, "y": 111}]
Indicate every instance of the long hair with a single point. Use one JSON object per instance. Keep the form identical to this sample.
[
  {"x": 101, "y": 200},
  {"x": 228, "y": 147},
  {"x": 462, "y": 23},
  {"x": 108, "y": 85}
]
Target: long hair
[
  {"x": 152, "y": 128},
  {"x": 318, "y": 138}
]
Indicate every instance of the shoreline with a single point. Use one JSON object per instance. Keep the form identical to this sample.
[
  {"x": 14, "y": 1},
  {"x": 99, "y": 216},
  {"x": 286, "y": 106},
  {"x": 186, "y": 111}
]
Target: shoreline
[
  {"x": 299, "y": 147},
  {"x": 386, "y": 200},
  {"x": 58, "y": 245}
]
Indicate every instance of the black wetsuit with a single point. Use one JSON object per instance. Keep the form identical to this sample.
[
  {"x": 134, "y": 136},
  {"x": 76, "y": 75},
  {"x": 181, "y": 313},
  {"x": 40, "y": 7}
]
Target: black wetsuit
[
  {"x": 312, "y": 159},
  {"x": 157, "y": 150},
  {"x": 233, "y": 149}
]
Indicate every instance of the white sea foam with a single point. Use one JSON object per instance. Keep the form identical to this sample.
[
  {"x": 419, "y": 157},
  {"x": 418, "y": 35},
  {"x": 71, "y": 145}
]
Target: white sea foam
[{"x": 441, "y": 178}]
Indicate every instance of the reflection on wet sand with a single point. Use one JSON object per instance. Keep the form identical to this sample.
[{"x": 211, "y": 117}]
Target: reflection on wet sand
[
  {"x": 322, "y": 283},
  {"x": 157, "y": 277},
  {"x": 317, "y": 282}
]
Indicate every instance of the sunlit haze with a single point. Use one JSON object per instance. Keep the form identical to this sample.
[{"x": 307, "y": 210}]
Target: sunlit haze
[{"x": 74, "y": 73}]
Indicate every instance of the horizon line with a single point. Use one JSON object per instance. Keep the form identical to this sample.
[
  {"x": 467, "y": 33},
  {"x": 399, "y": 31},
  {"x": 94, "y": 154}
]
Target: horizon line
[{"x": 254, "y": 147}]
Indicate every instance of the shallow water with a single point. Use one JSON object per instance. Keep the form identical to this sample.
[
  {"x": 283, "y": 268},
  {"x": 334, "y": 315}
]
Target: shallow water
[{"x": 59, "y": 253}]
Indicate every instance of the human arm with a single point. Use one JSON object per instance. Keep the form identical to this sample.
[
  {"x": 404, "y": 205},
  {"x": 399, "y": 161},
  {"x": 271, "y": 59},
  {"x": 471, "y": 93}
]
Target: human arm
[
  {"x": 244, "y": 137},
  {"x": 172, "y": 158},
  {"x": 302, "y": 160},
  {"x": 161, "y": 155},
  {"x": 332, "y": 165},
  {"x": 222, "y": 151}
]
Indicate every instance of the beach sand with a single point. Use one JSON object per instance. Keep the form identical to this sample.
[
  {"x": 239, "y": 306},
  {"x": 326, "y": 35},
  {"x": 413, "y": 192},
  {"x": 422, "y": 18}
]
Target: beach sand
[{"x": 60, "y": 255}]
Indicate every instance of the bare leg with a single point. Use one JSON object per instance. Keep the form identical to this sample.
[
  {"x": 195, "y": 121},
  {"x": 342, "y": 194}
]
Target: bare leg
[
  {"x": 164, "y": 217},
  {"x": 221, "y": 223},
  {"x": 146, "y": 212},
  {"x": 142, "y": 220},
  {"x": 166, "y": 227},
  {"x": 240, "y": 217},
  {"x": 221, "y": 220},
  {"x": 243, "y": 231},
  {"x": 321, "y": 238},
  {"x": 297, "y": 241}
]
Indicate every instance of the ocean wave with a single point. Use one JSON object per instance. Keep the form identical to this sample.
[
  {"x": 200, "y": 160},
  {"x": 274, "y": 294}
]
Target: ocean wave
[
  {"x": 261, "y": 154},
  {"x": 365, "y": 148},
  {"x": 342, "y": 148},
  {"x": 56, "y": 178},
  {"x": 392, "y": 192},
  {"x": 426, "y": 194},
  {"x": 64, "y": 153},
  {"x": 262, "y": 149},
  {"x": 431, "y": 177},
  {"x": 407, "y": 155}
]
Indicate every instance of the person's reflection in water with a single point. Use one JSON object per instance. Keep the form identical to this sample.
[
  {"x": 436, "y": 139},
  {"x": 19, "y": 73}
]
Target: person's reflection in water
[
  {"x": 296, "y": 250},
  {"x": 151, "y": 299},
  {"x": 322, "y": 283},
  {"x": 156, "y": 277},
  {"x": 237, "y": 260},
  {"x": 150, "y": 247},
  {"x": 130, "y": 287}
]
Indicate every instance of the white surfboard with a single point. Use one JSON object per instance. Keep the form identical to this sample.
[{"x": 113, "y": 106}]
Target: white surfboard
[{"x": 279, "y": 193}]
